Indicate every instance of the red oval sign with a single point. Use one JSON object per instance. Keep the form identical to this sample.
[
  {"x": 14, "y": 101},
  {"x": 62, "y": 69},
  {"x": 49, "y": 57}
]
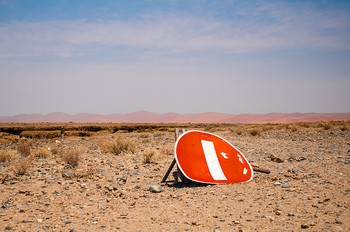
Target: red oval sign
[{"x": 207, "y": 158}]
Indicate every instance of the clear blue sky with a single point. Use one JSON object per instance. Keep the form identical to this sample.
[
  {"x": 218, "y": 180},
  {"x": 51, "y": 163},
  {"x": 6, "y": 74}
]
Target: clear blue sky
[{"x": 174, "y": 56}]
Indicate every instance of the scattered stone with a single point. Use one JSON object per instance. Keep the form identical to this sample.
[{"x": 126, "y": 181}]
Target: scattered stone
[
  {"x": 276, "y": 184},
  {"x": 68, "y": 222},
  {"x": 285, "y": 185},
  {"x": 276, "y": 159},
  {"x": 40, "y": 220},
  {"x": 122, "y": 180},
  {"x": 155, "y": 189},
  {"x": 123, "y": 215},
  {"x": 304, "y": 226},
  {"x": 109, "y": 187}
]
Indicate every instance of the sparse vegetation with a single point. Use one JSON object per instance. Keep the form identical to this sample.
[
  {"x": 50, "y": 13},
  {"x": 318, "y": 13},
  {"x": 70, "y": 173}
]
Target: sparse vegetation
[
  {"x": 7, "y": 155},
  {"x": 24, "y": 149},
  {"x": 71, "y": 157},
  {"x": 254, "y": 132},
  {"x": 22, "y": 166},
  {"x": 292, "y": 127},
  {"x": 119, "y": 145},
  {"x": 42, "y": 153},
  {"x": 149, "y": 155},
  {"x": 167, "y": 149},
  {"x": 82, "y": 179}
]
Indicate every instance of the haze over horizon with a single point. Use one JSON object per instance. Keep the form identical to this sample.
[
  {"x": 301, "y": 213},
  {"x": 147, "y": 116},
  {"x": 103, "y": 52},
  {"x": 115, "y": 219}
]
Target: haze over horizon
[{"x": 174, "y": 56}]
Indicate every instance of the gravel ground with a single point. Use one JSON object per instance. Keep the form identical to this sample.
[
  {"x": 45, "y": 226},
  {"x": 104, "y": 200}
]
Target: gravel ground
[{"x": 307, "y": 190}]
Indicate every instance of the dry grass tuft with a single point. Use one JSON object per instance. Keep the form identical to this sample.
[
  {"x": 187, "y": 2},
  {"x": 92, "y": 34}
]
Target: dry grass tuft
[
  {"x": 22, "y": 166},
  {"x": 148, "y": 155},
  {"x": 42, "y": 153},
  {"x": 7, "y": 155},
  {"x": 254, "y": 132},
  {"x": 24, "y": 149},
  {"x": 167, "y": 149},
  {"x": 291, "y": 127},
  {"x": 119, "y": 145},
  {"x": 71, "y": 157},
  {"x": 56, "y": 150}
]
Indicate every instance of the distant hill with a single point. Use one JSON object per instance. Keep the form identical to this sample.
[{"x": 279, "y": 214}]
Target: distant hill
[{"x": 149, "y": 117}]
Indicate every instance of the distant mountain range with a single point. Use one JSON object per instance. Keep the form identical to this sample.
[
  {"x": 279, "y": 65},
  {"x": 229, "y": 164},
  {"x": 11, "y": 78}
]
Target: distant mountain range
[{"x": 148, "y": 117}]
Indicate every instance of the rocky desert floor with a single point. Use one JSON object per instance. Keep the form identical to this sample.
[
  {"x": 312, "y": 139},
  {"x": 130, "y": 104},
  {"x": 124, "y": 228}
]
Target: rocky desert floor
[{"x": 84, "y": 183}]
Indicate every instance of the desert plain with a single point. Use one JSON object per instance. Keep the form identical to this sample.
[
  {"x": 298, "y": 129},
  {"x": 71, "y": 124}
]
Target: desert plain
[{"x": 97, "y": 177}]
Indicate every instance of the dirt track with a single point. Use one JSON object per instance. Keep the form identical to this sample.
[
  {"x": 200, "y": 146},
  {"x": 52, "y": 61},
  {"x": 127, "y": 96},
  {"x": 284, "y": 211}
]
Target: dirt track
[{"x": 308, "y": 188}]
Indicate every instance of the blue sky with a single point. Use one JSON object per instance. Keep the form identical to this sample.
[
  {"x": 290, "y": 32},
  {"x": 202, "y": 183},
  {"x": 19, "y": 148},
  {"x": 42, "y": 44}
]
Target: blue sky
[{"x": 174, "y": 56}]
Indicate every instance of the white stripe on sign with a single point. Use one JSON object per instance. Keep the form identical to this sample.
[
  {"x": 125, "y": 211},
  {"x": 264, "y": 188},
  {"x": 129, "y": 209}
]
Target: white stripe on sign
[{"x": 212, "y": 160}]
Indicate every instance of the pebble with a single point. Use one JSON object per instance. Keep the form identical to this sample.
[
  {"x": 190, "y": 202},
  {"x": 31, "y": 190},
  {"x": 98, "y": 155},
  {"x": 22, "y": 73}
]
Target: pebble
[
  {"x": 304, "y": 226},
  {"x": 68, "y": 222},
  {"x": 40, "y": 220},
  {"x": 276, "y": 183},
  {"x": 285, "y": 185},
  {"x": 155, "y": 189}
]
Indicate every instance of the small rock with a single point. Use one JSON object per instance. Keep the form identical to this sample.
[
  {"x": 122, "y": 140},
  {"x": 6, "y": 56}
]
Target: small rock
[
  {"x": 347, "y": 162},
  {"x": 155, "y": 189},
  {"x": 123, "y": 215},
  {"x": 285, "y": 185},
  {"x": 255, "y": 165},
  {"x": 304, "y": 226},
  {"x": 276, "y": 159},
  {"x": 68, "y": 222},
  {"x": 40, "y": 220},
  {"x": 276, "y": 184},
  {"x": 109, "y": 187}
]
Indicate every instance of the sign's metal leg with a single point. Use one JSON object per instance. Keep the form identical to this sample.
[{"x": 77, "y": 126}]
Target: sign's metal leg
[{"x": 179, "y": 175}]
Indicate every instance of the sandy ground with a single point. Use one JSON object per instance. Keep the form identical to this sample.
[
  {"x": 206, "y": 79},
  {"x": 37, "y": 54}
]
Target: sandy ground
[{"x": 308, "y": 188}]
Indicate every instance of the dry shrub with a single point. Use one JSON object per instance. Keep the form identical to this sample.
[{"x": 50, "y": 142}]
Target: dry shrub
[
  {"x": 327, "y": 126},
  {"x": 42, "y": 153},
  {"x": 304, "y": 124},
  {"x": 22, "y": 166},
  {"x": 119, "y": 145},
  {"x": 41, "y": 134},
  {"x": 71, "y": 157},
  {"x": 148, "y": 155},
  {"x": 79, "y": 133},
  {"x": 167, "y": 149},
  {"x": 292, "y": 127},
  {"x": 6, "y": 138},
  {"x": 24, "y": 149},
  {"x": 56, "y": 150},
  {"x": 254, "y": 132},
  {"x": 7, "y": 155}
]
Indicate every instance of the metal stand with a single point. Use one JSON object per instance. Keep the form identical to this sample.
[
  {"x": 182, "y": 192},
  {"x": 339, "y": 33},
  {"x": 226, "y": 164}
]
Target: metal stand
[{"x": 178, "y": 175}]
